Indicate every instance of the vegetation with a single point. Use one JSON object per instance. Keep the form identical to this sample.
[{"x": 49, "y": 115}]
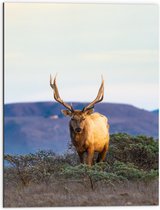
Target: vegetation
[{"x": 130, "y": 159}]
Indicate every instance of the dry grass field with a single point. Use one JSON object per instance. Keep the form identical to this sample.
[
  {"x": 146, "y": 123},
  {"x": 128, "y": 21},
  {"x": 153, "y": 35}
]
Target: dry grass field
[
  {"x": 128, "y": 177},
  {"x": 74, "y": 193}
]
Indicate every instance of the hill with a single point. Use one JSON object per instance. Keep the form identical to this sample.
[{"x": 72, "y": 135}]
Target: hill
[
  {"x": 156, "y": 111},
  {"x": 29, "y": 127}
]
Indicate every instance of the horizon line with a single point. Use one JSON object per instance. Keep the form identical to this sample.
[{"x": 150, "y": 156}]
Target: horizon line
[{"x": 71, "y": 102}]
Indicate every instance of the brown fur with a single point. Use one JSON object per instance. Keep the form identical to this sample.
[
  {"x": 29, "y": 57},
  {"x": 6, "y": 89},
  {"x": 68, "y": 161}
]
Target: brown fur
[
  {"x": 93, "y": 136},
  {"x": 89, "y": 131}
]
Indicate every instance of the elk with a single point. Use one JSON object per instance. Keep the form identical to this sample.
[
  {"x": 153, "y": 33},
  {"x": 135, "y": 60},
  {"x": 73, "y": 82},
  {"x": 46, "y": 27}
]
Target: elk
[{"x": 89, "y": 131}]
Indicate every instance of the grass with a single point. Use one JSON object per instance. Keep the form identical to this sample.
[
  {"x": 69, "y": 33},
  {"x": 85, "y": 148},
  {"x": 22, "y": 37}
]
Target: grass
[
  {"x": 74, "y": 193},
  {"x": 129, "y": 176}
]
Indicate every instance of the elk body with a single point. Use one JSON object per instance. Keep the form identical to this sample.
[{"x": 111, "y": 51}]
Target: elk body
[{"x": 89, "y": 131}]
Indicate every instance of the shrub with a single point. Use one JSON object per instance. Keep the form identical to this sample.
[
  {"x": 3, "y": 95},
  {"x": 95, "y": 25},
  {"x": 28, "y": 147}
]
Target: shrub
[
  {"x": 129, "y": 158},
  {"x": 140, "y": 150},
  {"x": 119, "y": 171},
  {"x": 36, "y": 167}
]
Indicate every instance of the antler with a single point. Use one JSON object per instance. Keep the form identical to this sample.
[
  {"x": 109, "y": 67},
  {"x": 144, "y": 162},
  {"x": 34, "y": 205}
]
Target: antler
[
  {"x": 56, "y": 94},
  {"x": 98, "y": 98}
]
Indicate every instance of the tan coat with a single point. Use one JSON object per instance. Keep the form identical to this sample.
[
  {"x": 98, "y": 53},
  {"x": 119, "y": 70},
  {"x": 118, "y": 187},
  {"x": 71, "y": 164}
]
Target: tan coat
[
  {"x": 89, "y": 131},
  {"x": 92, "y": 136}
]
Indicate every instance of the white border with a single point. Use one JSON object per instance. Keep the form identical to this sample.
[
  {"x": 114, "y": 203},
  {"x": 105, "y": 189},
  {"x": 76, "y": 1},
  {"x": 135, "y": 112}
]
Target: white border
[
  {"x": 88, "y": 1},
  {"x": 1, "y": 63}
]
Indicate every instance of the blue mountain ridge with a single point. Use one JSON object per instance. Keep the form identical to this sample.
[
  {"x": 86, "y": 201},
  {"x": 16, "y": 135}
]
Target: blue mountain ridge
[{"x": 29, "y": 127}]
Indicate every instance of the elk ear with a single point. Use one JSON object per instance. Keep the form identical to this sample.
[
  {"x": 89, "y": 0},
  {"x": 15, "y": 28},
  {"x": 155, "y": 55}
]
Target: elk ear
[
  {"x": 89, "y": 111},
  {"x": 66, "y": 113}
]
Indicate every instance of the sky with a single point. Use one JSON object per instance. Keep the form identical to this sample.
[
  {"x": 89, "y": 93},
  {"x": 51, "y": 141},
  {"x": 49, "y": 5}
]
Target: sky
[{"x": 81, "y": 42}]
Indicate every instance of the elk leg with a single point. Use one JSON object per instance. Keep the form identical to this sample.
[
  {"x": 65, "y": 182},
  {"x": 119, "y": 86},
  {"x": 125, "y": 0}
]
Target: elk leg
[
  {"x": 90, "y": 155},
  {"x": 81, "y": 157},
  {"x": 102, "y": 155}
]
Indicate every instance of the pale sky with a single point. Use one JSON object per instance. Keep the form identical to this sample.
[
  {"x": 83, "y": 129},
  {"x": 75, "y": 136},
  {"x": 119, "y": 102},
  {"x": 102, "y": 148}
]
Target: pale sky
[{"x": 80, "y": 42}]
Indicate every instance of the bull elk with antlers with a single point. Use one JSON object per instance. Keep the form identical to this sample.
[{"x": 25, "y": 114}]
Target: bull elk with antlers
[{"x": 89, "y": 131}]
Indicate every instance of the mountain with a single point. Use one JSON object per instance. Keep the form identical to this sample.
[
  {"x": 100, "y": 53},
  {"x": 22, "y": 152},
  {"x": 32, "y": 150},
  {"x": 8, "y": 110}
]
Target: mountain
[
  {"x": 29, "y": 127},
  {"x": 156, "y": 111}
]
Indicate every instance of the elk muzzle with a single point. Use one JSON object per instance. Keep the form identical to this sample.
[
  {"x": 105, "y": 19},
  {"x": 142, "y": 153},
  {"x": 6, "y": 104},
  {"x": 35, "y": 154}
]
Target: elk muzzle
[{"x": 78, "y": 130}]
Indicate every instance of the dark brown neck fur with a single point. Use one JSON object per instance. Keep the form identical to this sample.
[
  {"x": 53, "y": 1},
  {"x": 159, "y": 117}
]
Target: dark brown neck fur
[{"x": 78, "y": 139}]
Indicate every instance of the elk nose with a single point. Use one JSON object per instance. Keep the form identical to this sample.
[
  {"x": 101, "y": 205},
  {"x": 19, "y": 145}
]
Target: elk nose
[{"x": 78, "y": 130}]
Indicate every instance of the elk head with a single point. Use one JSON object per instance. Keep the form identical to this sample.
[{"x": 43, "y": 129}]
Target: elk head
[{"x": 77, "y": 116}]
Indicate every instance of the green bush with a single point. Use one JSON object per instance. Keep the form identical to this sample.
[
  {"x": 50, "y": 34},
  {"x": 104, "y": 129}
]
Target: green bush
[
  {"x": 130, "y": 172},
  {"x": 119, "y": 171},
  {"x": 140, "y": 150},
  {"x": 128, "y": 158}
]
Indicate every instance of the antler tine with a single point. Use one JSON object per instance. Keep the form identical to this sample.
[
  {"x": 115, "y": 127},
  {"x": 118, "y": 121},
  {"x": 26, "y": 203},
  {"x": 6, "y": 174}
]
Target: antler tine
[
  {"x": 99, "y": 97},
  {"x": 56, "y": 94},
  {"x": 51, "y": 82}
]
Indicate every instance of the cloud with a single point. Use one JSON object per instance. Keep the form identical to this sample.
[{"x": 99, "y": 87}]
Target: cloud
[
  {"x": 123, "y": 56},
  {"x": 81, "y": 42},
  {"x": 143, "y": 96}
]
